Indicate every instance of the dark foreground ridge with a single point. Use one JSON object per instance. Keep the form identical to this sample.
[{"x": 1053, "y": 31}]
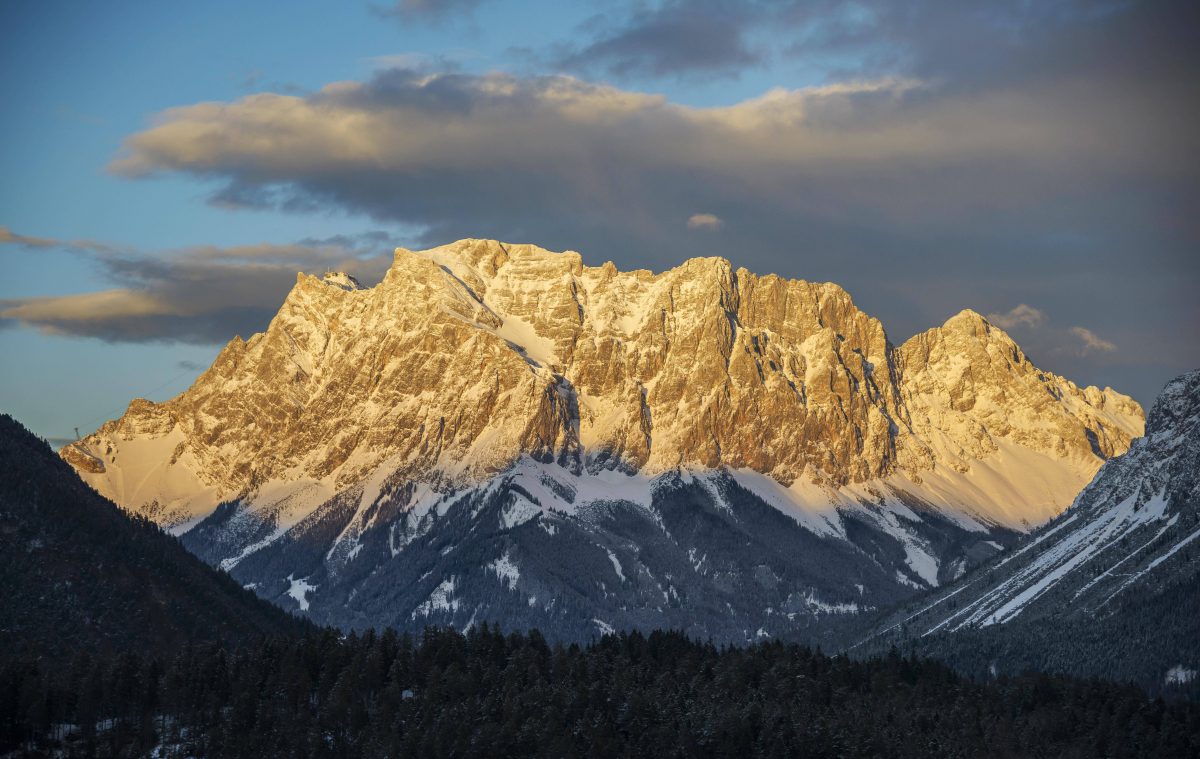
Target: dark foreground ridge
[
  {"x": 487, "y": 694},
  {"x": 77, "y": 573}
]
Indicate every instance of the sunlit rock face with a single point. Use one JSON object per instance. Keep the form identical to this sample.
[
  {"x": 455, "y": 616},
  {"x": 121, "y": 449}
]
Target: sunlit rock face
[{"x": 473, "y": 357}]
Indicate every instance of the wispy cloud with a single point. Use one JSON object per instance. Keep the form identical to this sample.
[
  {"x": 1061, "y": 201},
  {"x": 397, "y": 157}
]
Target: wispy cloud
[
  {"x": 8, "y": 237},
  {"x": 1033, "y": 323},
  {"x": 1091, "y": 341},
  {"x": 200, "y": 294},
  {"x": 1022, "y": 314},
  {"x": 704, "y": 221},
  {"x": 444, "y": 61}
]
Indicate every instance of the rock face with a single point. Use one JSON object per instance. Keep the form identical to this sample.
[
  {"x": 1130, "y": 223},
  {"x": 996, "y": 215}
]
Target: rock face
[
  {"x": 1110, "y": 583},
  {"x": 470, "y": 361}
]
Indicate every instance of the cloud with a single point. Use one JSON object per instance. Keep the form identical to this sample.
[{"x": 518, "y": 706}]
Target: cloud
[
  {"x": 190, "y": 366},
  {"x": 444, "y": 61},
  {"x": 704, "y": 221},
  {"x": 506, "y": 154},
  {"x": 680, "y": 37},
  {"x": 427, "y": 10},
  {"x": 1071, "y": 341},
  {"x": 1020, "y": 315},
  {"x": 969, "y": 41},
  {"x": 1091, "y": 341},
  {"x": 201, "y": 294},
  {"x": 8, "y": 237}
]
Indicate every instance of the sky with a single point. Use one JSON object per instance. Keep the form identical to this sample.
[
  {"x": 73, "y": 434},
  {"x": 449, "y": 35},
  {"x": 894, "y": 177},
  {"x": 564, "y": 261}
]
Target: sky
[{"x": 167, "y": 168}]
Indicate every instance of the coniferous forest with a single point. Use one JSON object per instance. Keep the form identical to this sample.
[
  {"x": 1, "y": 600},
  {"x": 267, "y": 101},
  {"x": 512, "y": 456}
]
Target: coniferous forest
[{"x": 489, "y": 694}]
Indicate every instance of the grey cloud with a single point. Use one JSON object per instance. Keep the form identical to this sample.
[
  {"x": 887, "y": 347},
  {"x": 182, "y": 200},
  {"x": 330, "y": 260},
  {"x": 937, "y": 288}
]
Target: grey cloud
[
  {"x": 429, "y": 149},
  {"x": 677, "y": 37},
  {"x": 974, "y": 42},
  {"x": 201, "y": 294},
  {"x": 965, "y": 43}
]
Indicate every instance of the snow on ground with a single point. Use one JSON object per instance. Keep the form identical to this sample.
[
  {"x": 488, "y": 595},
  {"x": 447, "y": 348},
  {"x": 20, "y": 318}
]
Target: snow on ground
[
  {"x": 299, "y": 591},
  {"x": 149, "y": 472},
  {"x": 283, "y": 503},
  {"x": 1042, "y": 490},
  {"x": 1009, "y": 598},
  {"x": 817, "y": 605},
  {"x": 521, "y": 334},
  {"x": 506, "y": 570},
  {"x": 812, "y": 506},
  {"x": 616, "y": 564},
  {"x": 1180, "y": 675},
  {"x": 520, "y": 511},
  {"x": 441, "y": 599}
]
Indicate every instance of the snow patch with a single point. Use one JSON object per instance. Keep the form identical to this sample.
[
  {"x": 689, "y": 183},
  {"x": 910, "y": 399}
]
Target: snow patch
[
  {"x": 505, "y": 569},
  {"x": 817, "y": 605},
  {"x": 616, "y": 564},
  {"x": 811, "y": 505},
  {"x": 441, "y": 599},
  {"x": 518, "y": 512},
  {"x": 1179, "y": 675},
  {"x": 299, "y": 590}
]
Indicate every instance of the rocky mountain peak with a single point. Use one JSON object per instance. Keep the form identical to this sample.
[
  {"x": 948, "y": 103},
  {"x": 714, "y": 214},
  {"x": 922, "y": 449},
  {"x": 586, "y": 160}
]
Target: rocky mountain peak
[
  {"x": 341, "y": 279},
  {"x": 469, "y": 356},
  {"x": 970, "y": 321},
  {"x": 1177, "y": 406}
]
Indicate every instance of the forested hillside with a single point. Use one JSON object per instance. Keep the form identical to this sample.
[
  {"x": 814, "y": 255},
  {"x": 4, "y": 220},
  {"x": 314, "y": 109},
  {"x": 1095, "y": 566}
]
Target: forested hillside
[
  {"x": 77, "y": 573},
  {"x": 486, "y": 694}
]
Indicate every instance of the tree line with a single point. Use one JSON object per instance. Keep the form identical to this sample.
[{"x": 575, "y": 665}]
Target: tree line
[{"x": 485, "y": 693}]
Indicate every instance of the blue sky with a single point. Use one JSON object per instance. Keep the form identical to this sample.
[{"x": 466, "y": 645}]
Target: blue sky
[{"x": 983, "y": 155}]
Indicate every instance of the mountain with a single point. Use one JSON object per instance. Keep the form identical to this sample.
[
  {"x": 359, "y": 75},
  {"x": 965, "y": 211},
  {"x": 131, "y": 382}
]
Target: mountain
[
  {"x": 79, "y": 575},
  {"x": 1111, "y": 587},
  {"x": 499, "y": 432}
]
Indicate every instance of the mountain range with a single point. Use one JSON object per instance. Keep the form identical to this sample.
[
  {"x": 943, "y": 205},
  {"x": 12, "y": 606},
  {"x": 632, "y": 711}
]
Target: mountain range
[
  {"x": 1110, "y": 587},
  {"x": 498, "y": 432}
]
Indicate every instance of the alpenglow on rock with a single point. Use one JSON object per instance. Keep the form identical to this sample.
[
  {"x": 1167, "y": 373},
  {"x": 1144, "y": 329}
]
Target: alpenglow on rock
[{"x": 487, "y": 373}]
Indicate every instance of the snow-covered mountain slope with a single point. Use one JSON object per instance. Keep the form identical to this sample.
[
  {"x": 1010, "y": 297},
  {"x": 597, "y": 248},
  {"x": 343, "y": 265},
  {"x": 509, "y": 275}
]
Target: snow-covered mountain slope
[
  {"x": 1125, "y": 556},
  {"x": 471, "y": 365},
  {"x": 579, "y": 555}
]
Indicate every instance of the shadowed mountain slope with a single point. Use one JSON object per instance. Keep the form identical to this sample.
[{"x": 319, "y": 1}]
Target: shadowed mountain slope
[{"x": 79, "y": 574}]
